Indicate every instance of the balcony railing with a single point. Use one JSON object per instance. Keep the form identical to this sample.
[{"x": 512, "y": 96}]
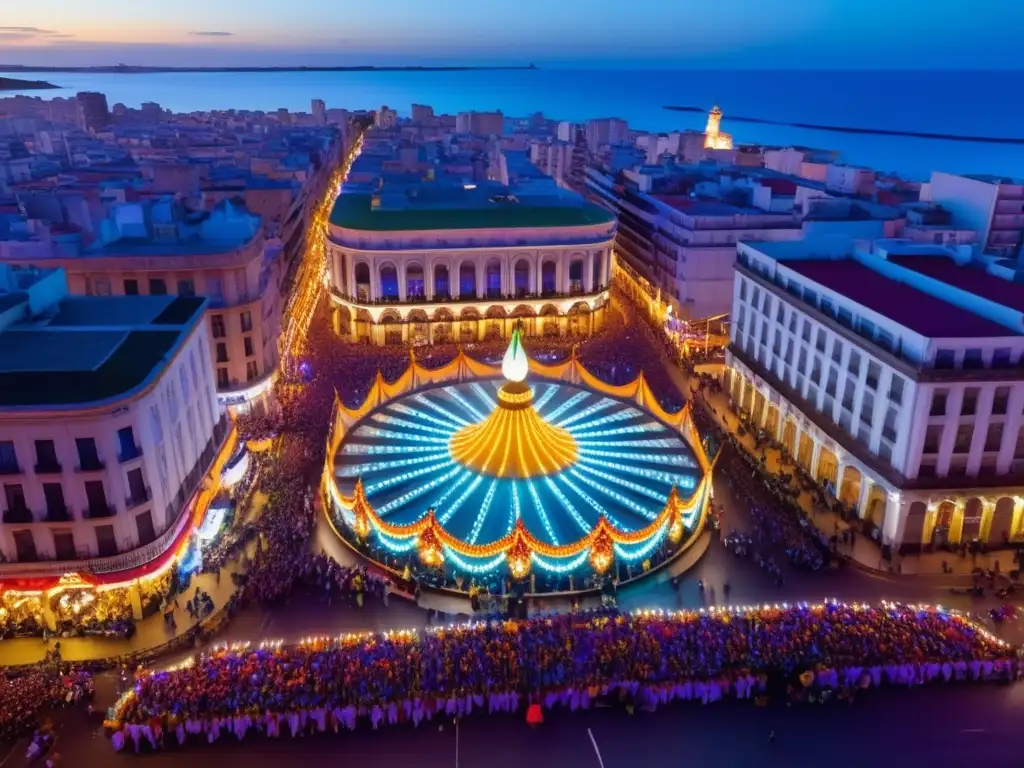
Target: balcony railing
[
  {"x": 91, "y": 465},
  {"x": 100, "y": 511},
  {"x": 49, "y": 468},
  {"x": 18, "y": 515},
  {"x": 386, "y": 301},
  {"x": 133, "y": 452},
  {"x": 138, "y": 499}
]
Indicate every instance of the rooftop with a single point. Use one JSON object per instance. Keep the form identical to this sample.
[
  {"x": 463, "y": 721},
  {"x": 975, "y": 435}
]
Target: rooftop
[
  {"x": 465, "y": 211},
  {"x": 967, "y": 278},
  {"x": 93, "y": 349},
  {"x": 919, "y": 311}
]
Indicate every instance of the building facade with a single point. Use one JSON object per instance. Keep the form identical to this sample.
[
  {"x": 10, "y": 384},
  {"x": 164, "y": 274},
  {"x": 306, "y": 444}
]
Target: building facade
[
  {"x": 108, "y": 420},
  {"x": 992, "y": 206},
  {"x": 469, "y": 270},
  {"x": 891, "y": 372}
]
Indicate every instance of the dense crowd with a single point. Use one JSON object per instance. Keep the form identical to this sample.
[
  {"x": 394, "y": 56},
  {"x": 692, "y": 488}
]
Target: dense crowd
[
  {"x": 568, "y": 659},
  {"x": 24, "y": 697}
]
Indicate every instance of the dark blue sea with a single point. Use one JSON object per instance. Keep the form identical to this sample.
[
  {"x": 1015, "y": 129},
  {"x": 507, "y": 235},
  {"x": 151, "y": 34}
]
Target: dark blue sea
[{"x": 977, "y": 103}]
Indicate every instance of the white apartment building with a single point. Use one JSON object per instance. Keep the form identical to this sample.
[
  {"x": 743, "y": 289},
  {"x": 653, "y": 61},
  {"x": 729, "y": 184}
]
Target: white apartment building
[
  {"x": 385, "y": 118},
  {"x": 445, "y": 263},
  {"x": 992, "y": 206},
  {"x": 892, "y": 372},
  {"x": 553, "y": 157},
  {"x": 154, "y": 249},
  {"x": 109, "y": 419}
]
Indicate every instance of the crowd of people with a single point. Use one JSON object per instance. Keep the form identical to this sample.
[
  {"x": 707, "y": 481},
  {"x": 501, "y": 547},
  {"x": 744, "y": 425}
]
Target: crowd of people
[
  {"x": 574, "y": 660},
  {"x": 25, "y": 696}
]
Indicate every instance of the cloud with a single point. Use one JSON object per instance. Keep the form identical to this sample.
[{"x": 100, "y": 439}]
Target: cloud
[
  {"x": 27, "y": 30},
  {"x": 212, "y": 34}
]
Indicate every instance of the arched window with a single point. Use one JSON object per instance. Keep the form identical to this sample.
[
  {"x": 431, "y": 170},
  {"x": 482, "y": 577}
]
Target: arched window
[
  {"x": 362, "y": 274},
  {"x": 441, "y": 289},
  {"x": 548, "y": 281},
  {"x": 414, "y": 281},
  {"x": 467, "y": 280},
  {"x": 493, "y": 276},
  {"x": 522, "y": 277},
  {"x": 597, "y": 270},
  {"x": 388, "y": 282},
  {"x": 576, "y": 276}
]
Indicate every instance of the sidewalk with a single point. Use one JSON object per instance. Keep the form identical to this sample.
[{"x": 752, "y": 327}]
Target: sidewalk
[{"x": 864, "y": 552}]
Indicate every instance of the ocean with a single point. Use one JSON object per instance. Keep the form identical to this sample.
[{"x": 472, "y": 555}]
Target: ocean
[{"x": 974, "y": 103}]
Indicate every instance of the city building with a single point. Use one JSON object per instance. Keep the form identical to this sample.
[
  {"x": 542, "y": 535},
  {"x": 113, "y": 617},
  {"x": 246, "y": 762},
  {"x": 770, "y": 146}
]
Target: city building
[
  {"x": 990, "y": 205},
  {"x": 714, "y": 138},
  {"x": 891, "y": 371},
  {"x": 606, "y": 131},
  {"x": 319, "y": 111},
  {"x": 160, "y": 248},
  {"x": 108, "y": 419},
  {"x": 92, "y": 111},
  {"x": 553, "y": 157},
  {"x": 385, "y": 118},
  {"x": 480, "y": 123},
  {"x": 439, "y": 261},
  {"x": 422, "y": 114}
]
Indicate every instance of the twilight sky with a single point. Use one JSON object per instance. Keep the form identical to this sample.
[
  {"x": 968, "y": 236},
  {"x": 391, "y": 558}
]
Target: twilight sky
[{"x": 738, "y": 34}]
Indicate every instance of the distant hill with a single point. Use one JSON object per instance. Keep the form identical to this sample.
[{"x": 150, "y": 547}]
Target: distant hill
[{"x": 11, "y": 84}]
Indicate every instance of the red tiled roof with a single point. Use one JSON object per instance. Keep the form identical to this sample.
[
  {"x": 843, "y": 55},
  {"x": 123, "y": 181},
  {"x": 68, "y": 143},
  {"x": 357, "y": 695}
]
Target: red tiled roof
[
  {"x": 968, "y": 279},
  {"x": 921, "y": 312}
]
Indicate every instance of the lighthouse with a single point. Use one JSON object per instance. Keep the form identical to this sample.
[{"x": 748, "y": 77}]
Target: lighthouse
[{"x": 713, "y": 137}]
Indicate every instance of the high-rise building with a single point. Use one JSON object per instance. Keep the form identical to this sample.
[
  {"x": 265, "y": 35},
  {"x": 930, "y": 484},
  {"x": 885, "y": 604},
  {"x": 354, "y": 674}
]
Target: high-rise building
[
  {"x": 422, "y": 113},
  {"x": 606, "y": 131},
  {"x": 319, "y": 111},
  {"x": 92, "y": 111},
  {"x": 480, "y": 123},
  {"x": 385, "y": 118}
]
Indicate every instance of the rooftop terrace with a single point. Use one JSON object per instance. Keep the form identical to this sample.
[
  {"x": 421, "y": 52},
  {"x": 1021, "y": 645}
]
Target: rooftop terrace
[
  {"x": 966, "y": 278},
  {"x": 93, "y": 349}
]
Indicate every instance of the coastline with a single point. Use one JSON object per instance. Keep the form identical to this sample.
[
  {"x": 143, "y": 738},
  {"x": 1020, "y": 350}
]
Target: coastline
[
  {"x": 140, "y": 70},
  {"x": 14, "y": 84},
  {"x": 863, "y": 131}
]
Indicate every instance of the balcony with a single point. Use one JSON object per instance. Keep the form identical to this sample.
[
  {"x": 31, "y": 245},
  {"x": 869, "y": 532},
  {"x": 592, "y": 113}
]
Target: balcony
[
  {"x": 100, "y": 511},
  {"x": 91, "y": 465},
  {"x": 10, "y": 468},
  {"x": 49, "y": 468},
  {"x": 138, "y": 499},
  {"x": 58, "y": 514},
  {"x": 132, "y": 453},
  {"x": 18, "y": 515}
]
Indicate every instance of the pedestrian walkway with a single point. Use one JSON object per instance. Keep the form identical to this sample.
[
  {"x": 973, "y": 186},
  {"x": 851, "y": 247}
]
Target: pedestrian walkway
[{"x": 863, "y": 551}]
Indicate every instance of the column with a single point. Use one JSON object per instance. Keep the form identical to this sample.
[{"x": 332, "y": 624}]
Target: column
[
  {"x": 956, "y": 528},
  {"x": 865, "y": 494},
  {"x": 588, "y": 272},
  {"x": 815, "y": 456},
  {"x": 402, "y": 287},
  {"x": 840, "y": 472},
  {"x": 988, "y": 508},
  {"x": 135, "y": 598},
  {"x": 895, "y": 519}
]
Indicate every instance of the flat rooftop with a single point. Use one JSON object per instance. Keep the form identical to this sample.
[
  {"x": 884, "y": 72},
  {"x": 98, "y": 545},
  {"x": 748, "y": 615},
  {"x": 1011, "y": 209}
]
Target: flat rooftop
[
  {"x": 966, "y": 278},
  {"x": 93, "y": 349},
  {"x": 354, "y": 211},
  {"x": 919, "y": 311}
]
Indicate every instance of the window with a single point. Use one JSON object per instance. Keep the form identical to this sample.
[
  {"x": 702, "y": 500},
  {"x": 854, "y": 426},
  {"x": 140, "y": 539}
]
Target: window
[
  {"x": 88, "y": 458},
  {"x": 820, "y": 342},
  {"x": 889, "y": 426},
  {"x": 25, "y": 547},
  {"x": 46, "y": 457},
  {"x": 962, "y": 444},
  {"x": 15, "y": 496},
  {"x": 867, "y": 408},
  {"x": 845, "y": 317},
  {"x": 157, "y": 286},
  {"x": 792, "y": 322},
  {"x": 994, "y": 437},
  {"x": 247, "y": 342},
  {"x": 874, "y": 372},
  {"x": 1001, "y": 357},
  {"x": 8, "y": 458},
  {"x": 97, "y": 497},
  {"x": 939, "y": 398},
  {"x": 56, "y": 507},
  {"x": 246, "y": 319},
  {"x": 802, "y": 365},
  {"x": 138, "y": 493},
  {"x": 1000, "y": 401},
  {"x": 64, "y": 545},
  {"x": 743, "y": 289},
  {"x": 222, "y": 352},
  {"x": 973, "y": 359},
  {"x": 933, "y": 438},
  {"x": 144, "y": 525},
  {"x": 853, "y": 365},
  {"x": 222, "y": 378},
  {"x": 106, "y": 542},
  {"x": 945, "y": 358},
  {"x": 848, "y": 395},
  {"x": 251, "y": 370},
  {"x": 127, "y": 447},
  {"x": 816, "y": 370},
  {"x": 837, "y": 350},
  {"x": 186, "y": 288},
  {"x": 1018, "y": 451},
  {"x": 896, "y": 389},
  {"x": 969, "y": 407},
  {"x": 102, "y": 286},
  {"x": 217, "y": 326},
  {"x": 131, "y": 287},
  {"x": 805, "y": 331},
  {"x": 833, "y": 380},
  {"x": 215, "y": 289}
]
